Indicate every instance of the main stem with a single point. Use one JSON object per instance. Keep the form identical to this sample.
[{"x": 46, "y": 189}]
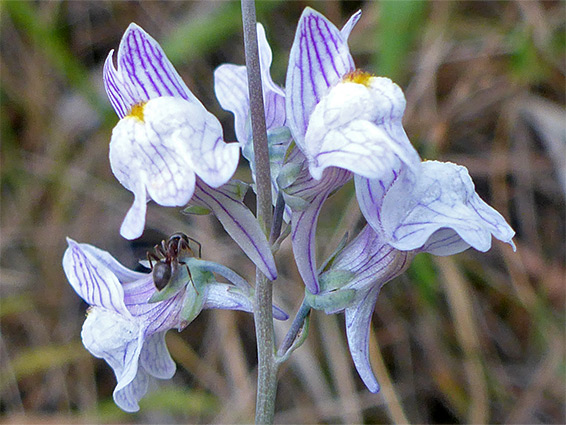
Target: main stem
[{"x": 263, "y": 316}]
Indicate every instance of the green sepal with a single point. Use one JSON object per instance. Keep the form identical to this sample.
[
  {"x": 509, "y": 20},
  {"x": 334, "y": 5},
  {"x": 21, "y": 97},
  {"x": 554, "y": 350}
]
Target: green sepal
[
  {"x": 194, "y": 301},
  {"x": 331, "y": 302},
  {"x": 196, "y": 210},
  {"x": 278, "y": 136},
  {"x": 198, "y": 279},
  {"x": 332, "y": 297},
  {"x": 200, "y": 275},
  {"x": 290, "y": 149},
  {"x": 288, "y": 174},
  {"x": 295, "y": 203},
  {"x": 237, "y": 189},
  {"x": 196, "y": 289},
  {"x": 334, "y": 279}
]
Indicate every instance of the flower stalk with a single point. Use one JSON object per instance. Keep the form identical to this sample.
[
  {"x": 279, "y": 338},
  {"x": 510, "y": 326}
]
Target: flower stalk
[{"x": 267, "y": 367}]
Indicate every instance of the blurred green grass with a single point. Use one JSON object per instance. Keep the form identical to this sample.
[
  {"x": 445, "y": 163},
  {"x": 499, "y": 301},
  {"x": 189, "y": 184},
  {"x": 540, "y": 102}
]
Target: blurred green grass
[{"x": 477, "y": 338}]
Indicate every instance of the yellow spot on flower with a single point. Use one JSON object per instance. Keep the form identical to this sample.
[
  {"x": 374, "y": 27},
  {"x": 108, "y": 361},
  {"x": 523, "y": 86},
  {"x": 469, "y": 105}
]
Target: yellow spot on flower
[
  {"x": 359, "y": 77},
  {"x": 137, "y": 111}
]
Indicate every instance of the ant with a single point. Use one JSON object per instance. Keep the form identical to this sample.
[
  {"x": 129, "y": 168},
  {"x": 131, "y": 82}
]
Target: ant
[{"x": 167, "y": 265}]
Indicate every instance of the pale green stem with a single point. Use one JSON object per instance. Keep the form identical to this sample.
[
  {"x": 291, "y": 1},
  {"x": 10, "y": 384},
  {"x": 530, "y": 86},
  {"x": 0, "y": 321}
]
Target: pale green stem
[{"x": 263, "y": 315}]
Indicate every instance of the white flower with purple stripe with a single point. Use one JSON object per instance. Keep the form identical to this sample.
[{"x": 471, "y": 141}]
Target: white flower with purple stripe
[
  {"x": 165, "y": 137},
  {"x": 338, "y": 116},
  {"x": 433, "y": 208},
  {"x": 231, "y": 88},
  {"x": 128, "y": 331}
]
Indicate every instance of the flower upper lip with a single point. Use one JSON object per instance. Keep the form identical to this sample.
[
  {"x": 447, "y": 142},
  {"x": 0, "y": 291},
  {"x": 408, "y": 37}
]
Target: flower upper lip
[{"x": 144, "y": 72}]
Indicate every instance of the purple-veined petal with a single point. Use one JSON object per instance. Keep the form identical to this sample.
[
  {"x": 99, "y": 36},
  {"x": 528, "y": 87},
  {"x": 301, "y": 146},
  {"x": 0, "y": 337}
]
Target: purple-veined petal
[
  {"x": 371, "y": 193},
  {"x": 161, "y": 316},
  {"x": 145, "y": 69},
  {"x": 349, "y": 26},
  {"x": 239, "y": 223},
  {"x": 214, "y": 161},
  {"x": 304, "y": 220},
  {"x": 303, "y": 236},
  {"x": 443, "y": 196},
  {"x": 226, "y": 297},
  {"x": 155, "y": 357},
  {"x": 279, "y": 313},
  {"x": 227, "y": 273},
  {"x": 152, "y": 151},
  {"x": 119, "y": 93},
  {"x": 115, "y": 338},
  {"x": 372, "y": 261},
  {"x": 319, "y": 58},
  {"x": 300, "y": 184},
  {"x": 134, "y": 222},
  {"x": 273, "y": 95},
  {"x": 444, "y": 242},
  {"x": 231, "y": 88},
  {"x": 92, "y": 280},
  {"x": 138, "y": 291},
  {"x": 358, "y": 127},
  {"x": 358, "y": 320},
  {"x": 127, "y": 398},
  {"x": 105, "y": 258},
  {"x": 157, "y": 151}
]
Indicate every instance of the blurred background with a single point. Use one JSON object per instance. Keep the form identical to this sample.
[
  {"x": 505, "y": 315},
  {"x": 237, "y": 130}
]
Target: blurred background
[{"x": 473, "y": 338}]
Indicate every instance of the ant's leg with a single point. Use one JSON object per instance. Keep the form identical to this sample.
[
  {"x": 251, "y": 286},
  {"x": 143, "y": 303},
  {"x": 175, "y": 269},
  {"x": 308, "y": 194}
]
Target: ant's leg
[
  {"x": 199, "y": 246},
  {"x": 150, "y": 256},
  {"x": 190, "y": 276},
  {"x": 159, "y": 249},
  {"x": 184, "y": 245}
]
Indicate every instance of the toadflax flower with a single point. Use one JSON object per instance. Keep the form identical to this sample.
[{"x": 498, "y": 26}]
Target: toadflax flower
[
  {"x": 231, "y": 88},
  {"x": 128, "y": 318},
  {"x": 167, "y": 145},
  {"x": 435, "y": 210},
  {"x": 165, "y": 137},
  {"x": 343, "y": 120}
]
